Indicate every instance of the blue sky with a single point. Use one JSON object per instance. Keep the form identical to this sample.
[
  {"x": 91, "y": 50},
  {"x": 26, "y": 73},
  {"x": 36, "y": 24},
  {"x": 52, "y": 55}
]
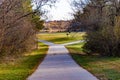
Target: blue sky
[{"x": 61, "y": 11}]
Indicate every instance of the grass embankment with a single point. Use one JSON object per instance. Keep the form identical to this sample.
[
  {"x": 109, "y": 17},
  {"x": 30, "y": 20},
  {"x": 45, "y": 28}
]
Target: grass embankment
[
  {"x": 21, "y": 68},
  {"x": 105, "y": 68},
  {"x": 60, "y": 38}
]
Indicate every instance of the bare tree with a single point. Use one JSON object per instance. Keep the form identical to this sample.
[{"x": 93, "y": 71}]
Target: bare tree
[
  {"x": 17, "y": 32},
  {"x": 102, "y": 20}
]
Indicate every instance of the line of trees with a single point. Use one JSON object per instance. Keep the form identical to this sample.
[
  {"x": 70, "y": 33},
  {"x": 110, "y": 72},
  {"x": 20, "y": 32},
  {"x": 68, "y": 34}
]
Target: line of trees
[
  {"x": 101, "y": 18},
  {"x": 19, "y": 24}
]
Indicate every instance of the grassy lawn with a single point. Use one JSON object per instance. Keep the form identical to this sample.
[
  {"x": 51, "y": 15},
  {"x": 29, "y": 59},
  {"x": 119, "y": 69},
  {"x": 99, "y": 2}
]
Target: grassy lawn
[
  {"x": 60, "y": 38},
  {"x": 22, "y": 67},
  {"x": 105, "y": 68}
]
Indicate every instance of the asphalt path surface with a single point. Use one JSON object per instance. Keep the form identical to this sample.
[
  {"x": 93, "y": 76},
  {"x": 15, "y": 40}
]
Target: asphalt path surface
[{"x": 59, "y": 65}]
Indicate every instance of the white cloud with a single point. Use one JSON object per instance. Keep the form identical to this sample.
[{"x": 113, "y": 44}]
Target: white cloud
[{"x": 61, "y": 11}]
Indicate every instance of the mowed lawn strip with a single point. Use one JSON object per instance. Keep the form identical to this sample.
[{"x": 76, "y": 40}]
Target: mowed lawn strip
[
  {"x": 60, "y": 38},
  {"x": 22, "y": 67},
  {"x": 105, "y": 68}
]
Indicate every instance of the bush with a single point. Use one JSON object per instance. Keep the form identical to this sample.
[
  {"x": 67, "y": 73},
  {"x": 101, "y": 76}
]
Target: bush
[
  {"x": 106, "y": 41},
  {"x": 17, "y": 33}
]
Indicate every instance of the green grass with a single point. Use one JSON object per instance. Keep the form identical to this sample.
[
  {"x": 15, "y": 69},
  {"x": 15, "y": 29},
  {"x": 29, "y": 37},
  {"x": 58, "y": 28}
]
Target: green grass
[
  {"x": 105, "y": 68},
  {"x": 22, "y": 67},
  {"x": 60, "y": 38}
]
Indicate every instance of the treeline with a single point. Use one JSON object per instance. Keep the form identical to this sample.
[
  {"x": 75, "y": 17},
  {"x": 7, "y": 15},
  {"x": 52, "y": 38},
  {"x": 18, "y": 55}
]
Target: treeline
[
  {"x": 19, "y": 24},
  {"x": 101, "y": 18},
  {"x": 56, "y": 26}
]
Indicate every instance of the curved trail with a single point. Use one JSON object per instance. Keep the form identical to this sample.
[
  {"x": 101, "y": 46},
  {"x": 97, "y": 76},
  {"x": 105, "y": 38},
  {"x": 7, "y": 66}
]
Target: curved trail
[{"x": 58, "y": 65}]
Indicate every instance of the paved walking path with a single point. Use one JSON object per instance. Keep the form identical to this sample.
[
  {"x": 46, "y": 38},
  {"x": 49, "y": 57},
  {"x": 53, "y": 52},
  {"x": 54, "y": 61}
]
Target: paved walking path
[
  {"x": 58, "y": 65},
  {"x": 75, "y": 42}
]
